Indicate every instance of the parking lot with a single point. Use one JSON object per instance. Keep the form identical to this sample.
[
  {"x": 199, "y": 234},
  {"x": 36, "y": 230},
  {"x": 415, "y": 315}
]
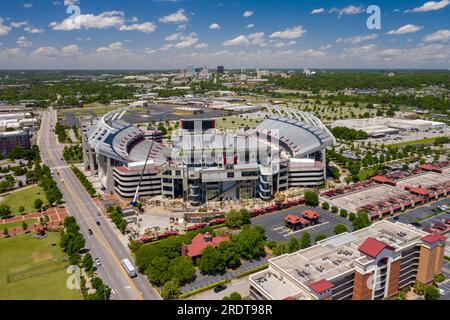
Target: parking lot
[
  {"x": 423, "y": 212},
  {"x": 273, "y": 223}
]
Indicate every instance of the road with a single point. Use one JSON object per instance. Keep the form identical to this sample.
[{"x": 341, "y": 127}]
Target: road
[{"x": 103, "y": 244}]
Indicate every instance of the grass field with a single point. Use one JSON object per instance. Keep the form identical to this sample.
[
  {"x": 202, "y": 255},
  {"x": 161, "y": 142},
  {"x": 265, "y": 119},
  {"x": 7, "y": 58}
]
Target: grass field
[
  {"x": 32, "y": 269},
  {"x": 235, "y": 122},
  {"x": 29, "y": 222},
  {"x": 25, "y": 197},
  {"x": 403, "y": 144}
]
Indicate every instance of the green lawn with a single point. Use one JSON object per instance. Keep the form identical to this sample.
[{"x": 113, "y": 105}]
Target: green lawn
[
  {"x": 17, "y": 224},
  {"x": 32, "y": 269},
  {"x": 403, "y": 144},
  {"x": 25, "y": 197},
  {"x": 366, "y": 173}
]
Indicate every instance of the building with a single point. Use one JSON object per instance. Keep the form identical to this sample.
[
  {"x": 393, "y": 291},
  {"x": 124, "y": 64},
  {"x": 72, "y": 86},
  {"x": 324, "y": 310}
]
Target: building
[
  {"x": 220, "y": 69},
  {"x": 200, "y": 163},
  {"x": 369, "y": 264},
  {"x": 11, "y": 139},
  {"x": 200, "y": 242}
]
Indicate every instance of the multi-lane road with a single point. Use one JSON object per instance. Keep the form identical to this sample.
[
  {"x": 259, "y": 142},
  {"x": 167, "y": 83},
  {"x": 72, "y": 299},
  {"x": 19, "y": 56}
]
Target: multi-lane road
[{"x": 103, "y": 243}]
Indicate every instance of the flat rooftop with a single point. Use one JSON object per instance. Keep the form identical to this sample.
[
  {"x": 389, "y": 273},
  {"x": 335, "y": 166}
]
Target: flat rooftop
[
  {"x": 337, "y": 255},
  {"x": 425, "y": 180},
  {"x": 358, "y": 199}
]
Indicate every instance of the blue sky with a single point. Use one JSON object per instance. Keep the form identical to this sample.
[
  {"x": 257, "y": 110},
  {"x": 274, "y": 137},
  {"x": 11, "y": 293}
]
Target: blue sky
[{"x": 153, "y": 34}]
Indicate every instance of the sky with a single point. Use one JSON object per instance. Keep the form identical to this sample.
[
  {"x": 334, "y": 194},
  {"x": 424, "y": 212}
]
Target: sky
[{"x": 173, "y": 34}]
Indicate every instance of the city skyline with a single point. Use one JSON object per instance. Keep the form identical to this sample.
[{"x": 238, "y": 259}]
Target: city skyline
[{"x": 171, "y": 34}]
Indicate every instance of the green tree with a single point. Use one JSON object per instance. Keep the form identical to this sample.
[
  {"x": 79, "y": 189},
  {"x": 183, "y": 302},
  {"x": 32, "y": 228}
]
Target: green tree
[
  {"x": 431, "y": 293},
  {"x": 24, "y": 226},
  {"x": 211, "y": 261},
  {"x": 361, "y": 220},
  {"x": 235, "y": 296},
  {"x": 171, "y": 290},
  {"x": 325, "y": 206},
  {"x": 5, "y": 210},
  {"x": 182, "y": 269},
  {"x": 311, "y": 199},
  {"x": 245, "y": 215},
  {"x": 344, "y": 213},
  {"x": 158, "y": 271},
  {"x": 320, "y": 237},
  {"x": 233, "y": 219},
  {"x": 293, "y": 244},
  {"x": 87, "y": 262},
  {"x": 5, "y": 232},
  {"x": 281, "y": 248},
  {"x": 305, "y": 240},
  {"x": 334, "y": 209},
  {"x": 438, "y": 278},
  {"x": 21, "y": 209},
  {"x": 340, "y": 228},
  {"x": 38, "y": 203}
]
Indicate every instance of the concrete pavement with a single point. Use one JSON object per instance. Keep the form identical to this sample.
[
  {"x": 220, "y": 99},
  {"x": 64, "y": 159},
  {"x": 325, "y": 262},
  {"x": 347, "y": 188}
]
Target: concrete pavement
[{"x": 103, "y": 244}]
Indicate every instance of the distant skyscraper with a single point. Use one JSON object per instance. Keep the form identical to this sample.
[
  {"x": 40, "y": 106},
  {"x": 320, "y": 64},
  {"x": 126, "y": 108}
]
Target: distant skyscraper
[{"x": 220, "y": 69}]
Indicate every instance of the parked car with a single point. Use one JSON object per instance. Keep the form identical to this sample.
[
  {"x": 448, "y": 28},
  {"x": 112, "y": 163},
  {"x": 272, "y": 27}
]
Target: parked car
[
  {"x": 98, "y": 223},
  {"x": 219, "y": 288},
  {"x": 396, "y": 218},
  {"x": 90, "y": 232},
  {"x": 98, "y": 263}
]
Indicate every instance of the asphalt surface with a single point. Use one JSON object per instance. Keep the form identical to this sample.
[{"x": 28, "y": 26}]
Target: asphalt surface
[
  {"x": 103, "y": 244},
  {"x": 273, "y": 223}
]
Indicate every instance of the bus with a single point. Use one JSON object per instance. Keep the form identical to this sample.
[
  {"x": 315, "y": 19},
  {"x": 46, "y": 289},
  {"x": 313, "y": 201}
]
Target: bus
[{"x": 126, "y": 264}]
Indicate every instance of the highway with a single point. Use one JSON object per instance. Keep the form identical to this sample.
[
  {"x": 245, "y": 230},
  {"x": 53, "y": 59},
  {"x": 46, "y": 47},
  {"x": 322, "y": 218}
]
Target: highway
[{"x": 103, "y": 244}]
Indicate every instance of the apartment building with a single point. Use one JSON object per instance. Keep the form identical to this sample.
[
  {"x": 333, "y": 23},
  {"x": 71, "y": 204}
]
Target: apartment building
[{"x": 369, "y": 264}]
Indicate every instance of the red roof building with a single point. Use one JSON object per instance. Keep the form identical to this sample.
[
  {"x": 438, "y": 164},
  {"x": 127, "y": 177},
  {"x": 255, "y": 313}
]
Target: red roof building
[
  {"x": 432, "y": 238},
  {"x": 373, "y": 247},
  {"x": 201, "y": 241},
  {"x": 292, "y": 219},
  {"x": 321, "y": 286},
  {"x": 382, "y": 179},
  {"x": 311, "y": 215},
  {"x": 420, "y": 191},
  {"x": 430, "y": 167}
]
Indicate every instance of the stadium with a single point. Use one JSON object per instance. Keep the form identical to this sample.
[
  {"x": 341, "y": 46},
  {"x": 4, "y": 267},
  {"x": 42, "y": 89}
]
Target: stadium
[{"x": 200, "y": 163}]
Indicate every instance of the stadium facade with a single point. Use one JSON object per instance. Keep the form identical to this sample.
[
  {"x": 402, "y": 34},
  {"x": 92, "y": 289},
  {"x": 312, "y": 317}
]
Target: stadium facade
[{"x": 200, "y": 163}]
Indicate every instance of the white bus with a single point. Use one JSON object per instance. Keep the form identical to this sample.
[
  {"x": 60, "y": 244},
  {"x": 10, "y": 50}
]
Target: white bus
[{"x": 126, "y": 264}]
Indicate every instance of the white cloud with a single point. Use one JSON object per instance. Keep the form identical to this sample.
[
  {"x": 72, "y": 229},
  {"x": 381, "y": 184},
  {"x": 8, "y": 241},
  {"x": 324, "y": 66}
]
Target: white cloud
[
  {"x": 104, "y": 20},
  {"x": 22, "y": 42},
  {"x": 166, "y": 47},
  {"x": 214, "y": 26},
  {"x": 146, "y": 27},
  {"x": 291, "y": 43},
  {"x": 248, "y": 14},
  {"x": 28, "y": 5},
  {"x": 257, "y": 38},
  {"x": 318, "y": 10},
  {"x": 4, "y": 30},
  {"x": 45, "y": 52},
  {"x": 177, "y": 17},
  {"x": 71, "y": 50},
  {"x": 187, "y": 41},
  {"x": 289, "y": 33},
  {"x": 201, "y": 46},
  {"x": 440, "y": 35},
  {"x": 348, "y": 10},
  {"x": 173, "y": 37},
  {"x": 249, "y": 26},
  {"x": 115, "y": 46},
  {"x": 357, "y": 39},
  {"x": 239, "y": 40},
  {"x": 408, "y": 28},
  {"x": 431, "y": 6},
  {"x": 19, "y": 24},
  {"x": 33, "y": 30},
  {"x": 71, "y": 2}
]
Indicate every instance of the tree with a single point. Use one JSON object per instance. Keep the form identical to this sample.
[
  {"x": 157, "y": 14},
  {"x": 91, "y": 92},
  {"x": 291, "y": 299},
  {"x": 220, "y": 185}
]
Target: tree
[
  {"x": 438, "y": 278},
  {"x": 305, "y": 240},
  {"x": 235, "y": 296},
  {"x": 87, "y": 262},
  {"x": 5, "y": 232},
  {"x": 340, "y": 228},
  {"x": 245, "y": 215},
  {"x": 351, "y": 216},
  {"x": 250, "y": 242},
  {"x": 38, "y": 203},
  {"x": 293, "y": 245},
  {"x": 182, "y": 269},
  {"x": 233, "y": 219},
  {"x": 320, "y": 237},
  {"x": 24, "y": 226},
  {"x": 158, "y": 271},
  {"x": 211, "y": 261},
  {"x": 361, "y": 220},
  {"x": 334, "y": 209},
  {"x": 325, "y": 206},
  {"x": 431, "y": 293},
  {"x": 419, "y": 288},
  {"x": 21, "y": 209},
  {"x": 171, "y": 290},
  {"x": 344, "y": 213},
  {"x": 230, "y": 254},
  {"x": 311, "y": 199},
  {"x": 281, "y": 248},
  {"x": 5, "y": 210}
]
